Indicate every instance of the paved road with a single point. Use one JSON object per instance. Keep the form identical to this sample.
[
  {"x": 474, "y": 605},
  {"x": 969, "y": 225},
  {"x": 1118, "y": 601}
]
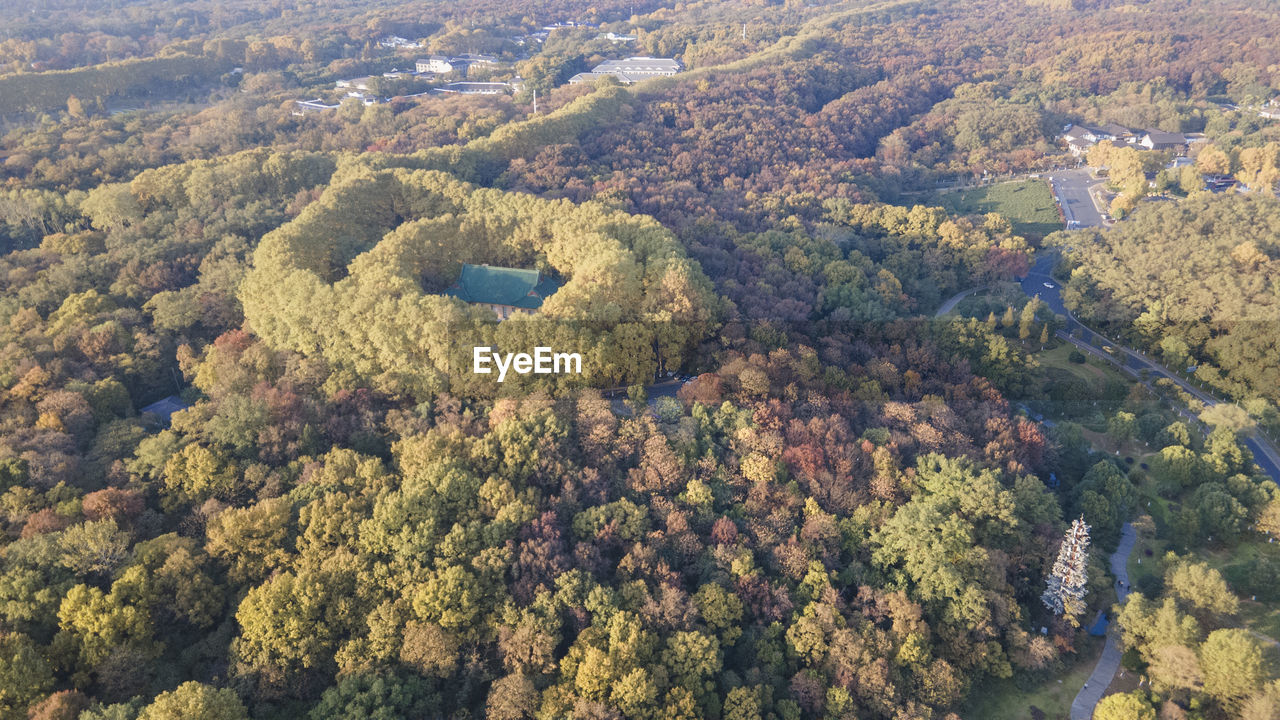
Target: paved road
[
  {"x": 954, "y": 300},
  {"x": 1038, "y": 282},
  {"x": 1105, "y": 670},
  {"x": 1071, "y": 188},
  {"x": 618, "y": 396}
]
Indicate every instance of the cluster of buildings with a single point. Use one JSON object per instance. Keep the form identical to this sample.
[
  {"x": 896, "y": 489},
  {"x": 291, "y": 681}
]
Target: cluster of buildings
[
  {"x": 465, "y": 87},
  {"x": 429, "y": 68},
  {"x": 1082, "y": 138},
  {"x": 626, "y": 71},
  {"x": 442, "y": 65},
  {"x": 395, "y": 42},
  {"x": 630, "y": 70},
  {"x": 541, "y": 35}
]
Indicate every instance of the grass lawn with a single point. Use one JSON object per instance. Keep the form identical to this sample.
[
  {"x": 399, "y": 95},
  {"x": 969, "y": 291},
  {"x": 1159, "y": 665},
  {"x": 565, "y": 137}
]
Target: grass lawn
[
  {"x": 1090, "y": 371},
  {"x": 1262, "y": 617},
  {"x": 995, "y": 299},
  {"x": 1027, "y": 203},
  {"x": 1140, "y": 564},
  {"x": 1004, "y": 700}
]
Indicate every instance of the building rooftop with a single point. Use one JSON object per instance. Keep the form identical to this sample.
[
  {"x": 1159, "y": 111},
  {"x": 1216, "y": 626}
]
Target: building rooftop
[
  {"x": 1160, "y": 137},
  {"x": 164, "y": 409},
  {"x": 591, "y": 77},
  {"x": 639, "y": 65},
  {"x": 490, "y": 285}
]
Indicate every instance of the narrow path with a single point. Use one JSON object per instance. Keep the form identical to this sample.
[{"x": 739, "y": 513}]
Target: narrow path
[
  {"x": 1266, "y": 639},
  {"x": 954, "y": 300},
  {"x": 1105, "y": 670}
]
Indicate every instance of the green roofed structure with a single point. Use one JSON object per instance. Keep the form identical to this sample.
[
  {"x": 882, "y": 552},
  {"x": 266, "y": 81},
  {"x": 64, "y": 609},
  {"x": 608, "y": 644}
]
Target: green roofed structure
[{"x": 506, "y": 291}]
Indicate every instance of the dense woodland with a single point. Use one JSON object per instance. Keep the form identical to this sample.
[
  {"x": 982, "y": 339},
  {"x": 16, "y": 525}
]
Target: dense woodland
[
  {"x": 1197, "y": 282},
  {"x": 848, "y": 511}
]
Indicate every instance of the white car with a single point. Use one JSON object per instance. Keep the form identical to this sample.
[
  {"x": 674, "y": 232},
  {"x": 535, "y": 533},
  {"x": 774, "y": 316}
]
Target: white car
[{"x": 1049, "y": 285}]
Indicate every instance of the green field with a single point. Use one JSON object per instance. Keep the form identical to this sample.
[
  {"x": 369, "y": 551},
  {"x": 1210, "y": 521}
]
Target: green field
[
  {"x": 1027, "y": 203},
  {"x": 1004, "y": 700}
]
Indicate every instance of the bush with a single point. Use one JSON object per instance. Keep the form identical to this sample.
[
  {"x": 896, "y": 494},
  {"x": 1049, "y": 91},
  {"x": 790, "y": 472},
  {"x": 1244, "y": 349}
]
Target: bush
[
  {"x": 1150, "y": 585},
  {"x": 1076, "y": 357}
]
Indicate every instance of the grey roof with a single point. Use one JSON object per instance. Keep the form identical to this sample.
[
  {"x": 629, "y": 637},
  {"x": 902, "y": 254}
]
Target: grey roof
[
  {"x": 1160, "y": 137},
  {"x": 476, "y": 88},
  {"x": 1076, "y": 132},
  {"x": 590, "y": 77},
  {"x": 640, "y": 66},
  {"x": 515, "y": 287},
  {"x": 164, "y": 409},
  {"x": 1114, "y": 130}
]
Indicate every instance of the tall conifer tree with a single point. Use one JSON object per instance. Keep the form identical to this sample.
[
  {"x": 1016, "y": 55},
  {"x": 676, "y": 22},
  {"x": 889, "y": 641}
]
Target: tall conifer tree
[{"x": 1070, "y": 576}]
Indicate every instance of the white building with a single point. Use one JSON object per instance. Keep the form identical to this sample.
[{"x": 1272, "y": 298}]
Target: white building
[
  {"x": 395, "y": 41},
  {"x": 311, "y": 106},
  {"x": 360, "y": 83},
  {"x": 630, "y": 70},
  {"x": 477, "y": 88},
  {"x": 438, "y": 64}
]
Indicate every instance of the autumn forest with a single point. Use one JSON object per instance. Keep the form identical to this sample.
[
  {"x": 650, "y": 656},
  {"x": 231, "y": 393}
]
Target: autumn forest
[{"x": 875, "y": 419}]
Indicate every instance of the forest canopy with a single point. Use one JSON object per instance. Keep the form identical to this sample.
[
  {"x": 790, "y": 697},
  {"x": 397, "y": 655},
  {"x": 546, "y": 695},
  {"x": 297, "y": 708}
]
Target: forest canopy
[
  {"x": 357, "y": 279},
  {"x": 827, "y": 442}
]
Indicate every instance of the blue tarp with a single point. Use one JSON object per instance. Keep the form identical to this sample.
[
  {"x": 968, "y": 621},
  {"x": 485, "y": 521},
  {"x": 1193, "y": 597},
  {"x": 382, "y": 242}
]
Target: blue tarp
[
  {"x": 164, "y": 409},
  {"x": 1099, "y": 627}
]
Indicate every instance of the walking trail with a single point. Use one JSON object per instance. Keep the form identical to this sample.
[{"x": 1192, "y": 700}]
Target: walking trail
[
  {"x": 954, "y": 300},
  {"x": 1105, "y": 670}
]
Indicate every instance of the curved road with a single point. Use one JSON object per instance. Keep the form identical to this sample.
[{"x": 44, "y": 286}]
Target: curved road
[
  {"x": 1039, "y": 282},
  {"x": 1105, "y": 670},
  {"x": 954, "y": 300}
]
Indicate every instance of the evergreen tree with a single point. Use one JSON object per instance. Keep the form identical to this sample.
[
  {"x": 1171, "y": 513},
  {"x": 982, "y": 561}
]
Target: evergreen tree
[
  {"x": 1065, "y": 594},
  {"x": 1028, "y": 318}
]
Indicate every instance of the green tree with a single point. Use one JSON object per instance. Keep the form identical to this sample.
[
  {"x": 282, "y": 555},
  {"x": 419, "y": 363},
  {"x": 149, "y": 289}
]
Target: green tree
[
  {"x": 94, "y": 548},
  {"x": 96, "y": 623},
  {"x": 1202, "y": 588},
  {"x": 254, "y": 541},
  {"x": 377, "y": 697},
  {"x": 1178, "y": 467},
  {"x": 1106, "y": 498},
  {"x": 1027, "y": 318},
  {"x": 292, "y": 622},
  {"x": 1127, "y": 706},
  {"x": 195, "y": 701},
  {"x": 1227, "y": 415},
  {"x": 1148, "y": 626},
  {"x": 194, "y": 474},
  {"x": 1234, "y": 665},
  {"x": 25, "y": 675},
  {"x": 939, "y": 542},
  {"x": 1122, "y": 427},
  {"x": 1264, "y": 704}
]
